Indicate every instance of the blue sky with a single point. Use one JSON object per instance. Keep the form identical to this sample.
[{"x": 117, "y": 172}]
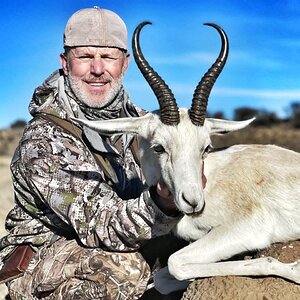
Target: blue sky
[{"x": 262, "y": 70}]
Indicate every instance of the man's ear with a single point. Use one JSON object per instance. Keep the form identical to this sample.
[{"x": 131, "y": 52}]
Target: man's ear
[
  {"x": 126, "y": 63},
  {"x": 64, "y": 64}
]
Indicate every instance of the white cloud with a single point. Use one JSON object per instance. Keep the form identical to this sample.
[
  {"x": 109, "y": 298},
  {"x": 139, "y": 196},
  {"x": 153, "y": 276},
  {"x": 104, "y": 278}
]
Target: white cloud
[
  {"x": 236, "y": 57},
  {"x": 255, "y": 93},
  {"x": 187, "y": 89},
  {"x": 191, "y": 58},
  {"x": 255, "y": 58}
]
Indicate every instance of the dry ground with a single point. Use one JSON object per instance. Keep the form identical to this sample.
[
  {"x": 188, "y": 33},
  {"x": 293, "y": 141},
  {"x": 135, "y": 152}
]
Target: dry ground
[
  {"x": 9, "y": 139},
  {"x": 6, "y": 201}
]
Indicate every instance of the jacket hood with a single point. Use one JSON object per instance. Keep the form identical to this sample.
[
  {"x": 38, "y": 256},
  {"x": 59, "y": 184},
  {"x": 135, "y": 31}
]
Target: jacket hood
[{"x": 50, "y": 97}]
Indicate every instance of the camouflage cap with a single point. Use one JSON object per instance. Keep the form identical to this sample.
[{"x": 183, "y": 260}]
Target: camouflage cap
[{"x": 95, "y": 27}]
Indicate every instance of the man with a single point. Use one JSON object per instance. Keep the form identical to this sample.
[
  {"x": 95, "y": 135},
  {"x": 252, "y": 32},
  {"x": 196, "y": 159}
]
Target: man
[{"x": 81, "y": 203}]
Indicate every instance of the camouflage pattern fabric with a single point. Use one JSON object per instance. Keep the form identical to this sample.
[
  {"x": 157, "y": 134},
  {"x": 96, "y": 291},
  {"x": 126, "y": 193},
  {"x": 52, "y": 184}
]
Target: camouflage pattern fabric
[
  {"x": 66, "y": 270},
  {"x": 60, "y": 191}
]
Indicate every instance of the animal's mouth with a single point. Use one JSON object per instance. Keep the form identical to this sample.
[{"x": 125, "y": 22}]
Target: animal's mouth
[{"x": 194, "y": 213}]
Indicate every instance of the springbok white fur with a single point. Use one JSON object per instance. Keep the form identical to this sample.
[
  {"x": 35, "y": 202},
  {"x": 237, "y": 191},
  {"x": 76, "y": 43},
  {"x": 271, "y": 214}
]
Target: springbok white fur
[{"x": 250, "y": 201}]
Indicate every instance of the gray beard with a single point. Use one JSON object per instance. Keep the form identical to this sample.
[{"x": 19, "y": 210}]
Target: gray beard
[{"x": 74, "y": 85}]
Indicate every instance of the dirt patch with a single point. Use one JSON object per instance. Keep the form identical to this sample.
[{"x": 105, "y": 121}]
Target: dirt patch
[
  {"x": 250, "y": 288},
  {"x": 241, "y": 288},
  {"x": 6, "y": 202}
]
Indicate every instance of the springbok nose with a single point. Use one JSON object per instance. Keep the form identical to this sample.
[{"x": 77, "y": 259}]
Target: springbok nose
[
  {"x": 191, "y": 202},
  {"x": 196, "y": 205}
]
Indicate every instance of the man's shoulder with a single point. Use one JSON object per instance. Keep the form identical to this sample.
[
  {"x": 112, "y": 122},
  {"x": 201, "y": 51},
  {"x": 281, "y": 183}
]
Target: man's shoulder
[{"x": 46, "y": 128}]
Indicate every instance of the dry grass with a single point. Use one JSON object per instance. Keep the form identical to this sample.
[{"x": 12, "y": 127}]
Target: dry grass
[
  {"x": 282, "y": 135},
  {"x": 9, "y": 139},
  {"x": 6, "y": 202}
]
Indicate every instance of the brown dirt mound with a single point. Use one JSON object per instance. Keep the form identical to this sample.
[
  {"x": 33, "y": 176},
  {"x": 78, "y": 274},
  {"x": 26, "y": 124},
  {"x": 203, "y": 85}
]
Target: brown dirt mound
[{"x": 250, "y": 288}]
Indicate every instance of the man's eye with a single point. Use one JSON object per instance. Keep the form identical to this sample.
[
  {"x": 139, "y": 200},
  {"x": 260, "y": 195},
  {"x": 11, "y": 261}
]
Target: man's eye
[
  {"x": 84, "y": 57},
  {"x": 109, "y": 58},
  {"x": 158, "y": 148}
]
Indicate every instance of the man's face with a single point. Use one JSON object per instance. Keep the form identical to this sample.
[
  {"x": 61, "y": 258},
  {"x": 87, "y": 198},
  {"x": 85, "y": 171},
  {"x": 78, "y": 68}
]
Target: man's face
[{"x": 94, "y": 73}]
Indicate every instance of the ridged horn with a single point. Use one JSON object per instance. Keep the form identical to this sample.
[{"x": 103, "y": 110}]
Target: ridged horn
[
  {"x": 169, "y": 113},
  {"x": 200, "y": 98}
]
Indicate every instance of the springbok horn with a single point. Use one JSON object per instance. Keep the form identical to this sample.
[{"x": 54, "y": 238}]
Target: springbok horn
[
  {"x": 203, "y": 89},
  {"x": 169, "y": 113}
]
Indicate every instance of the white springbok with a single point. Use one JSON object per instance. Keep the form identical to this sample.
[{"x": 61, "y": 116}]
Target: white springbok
[{"x": 252, "y": 193}]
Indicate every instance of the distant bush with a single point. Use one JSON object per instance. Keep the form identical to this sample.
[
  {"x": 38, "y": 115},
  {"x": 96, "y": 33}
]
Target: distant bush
[
  {"x": 262, "y": 117},
  {"x": 18, "y": 124},
  {"x": 265, "y": 118},
  {"x": 218, "y": 115},
  {"x": 244, "y": 113},
  {"x": 296, "y": 120},
  {"x": 295, "y": 114}
]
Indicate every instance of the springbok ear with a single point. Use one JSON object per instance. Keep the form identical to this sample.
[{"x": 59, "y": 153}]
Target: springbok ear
[
  {"x": 115, "y": 126},
  {"x": 219, "y": 126}
]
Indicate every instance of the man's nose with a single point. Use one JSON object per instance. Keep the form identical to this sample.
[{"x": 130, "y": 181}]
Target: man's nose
[{"x": 97, "y": 66}]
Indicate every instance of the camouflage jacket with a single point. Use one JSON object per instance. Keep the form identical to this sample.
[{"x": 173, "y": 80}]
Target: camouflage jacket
[{"x": 60, "y": 190}]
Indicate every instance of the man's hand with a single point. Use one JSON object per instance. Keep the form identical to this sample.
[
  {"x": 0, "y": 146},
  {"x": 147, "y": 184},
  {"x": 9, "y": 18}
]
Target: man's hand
[{"x": 164, "y": 199}]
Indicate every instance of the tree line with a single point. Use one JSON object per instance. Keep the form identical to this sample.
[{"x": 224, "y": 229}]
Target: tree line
[{"x": 263, "y": 117}]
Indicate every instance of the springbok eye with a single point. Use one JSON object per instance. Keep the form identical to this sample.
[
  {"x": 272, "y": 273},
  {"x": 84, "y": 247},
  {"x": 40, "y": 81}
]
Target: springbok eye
[
  {"x": 158, "y": 148},
  {"x": 207, "y": 150}
]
